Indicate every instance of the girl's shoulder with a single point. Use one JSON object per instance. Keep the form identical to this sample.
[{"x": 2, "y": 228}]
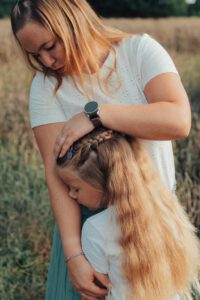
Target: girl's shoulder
[
  {"x": 104, "y": 215},
  {"x": 102, "y": 220},
  {"x": 102, "y": 228}
]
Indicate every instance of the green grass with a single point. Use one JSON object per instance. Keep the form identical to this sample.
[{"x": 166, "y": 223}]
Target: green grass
[{"x": 25, "y": 225}]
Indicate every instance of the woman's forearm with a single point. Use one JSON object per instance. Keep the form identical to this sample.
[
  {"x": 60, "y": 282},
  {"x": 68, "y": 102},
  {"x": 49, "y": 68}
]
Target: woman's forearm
[
  {"x": 66, "y": 210},
  {"x": 155, "y": 121},
  {"x": 67, "y": 215}
]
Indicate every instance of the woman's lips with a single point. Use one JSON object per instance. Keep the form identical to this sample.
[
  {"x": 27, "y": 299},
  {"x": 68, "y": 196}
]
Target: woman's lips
[{"x": 60, "y": 70}]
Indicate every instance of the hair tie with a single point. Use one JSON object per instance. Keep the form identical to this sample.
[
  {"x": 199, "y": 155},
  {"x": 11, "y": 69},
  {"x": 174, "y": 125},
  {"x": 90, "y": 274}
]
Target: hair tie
[{"x": 67, "y": 156}]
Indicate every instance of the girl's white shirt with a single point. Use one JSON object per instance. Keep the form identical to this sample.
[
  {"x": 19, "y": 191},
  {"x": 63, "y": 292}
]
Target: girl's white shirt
[
  {"x": 100, "y": 235},
  {"x": 140, "y": 58}
]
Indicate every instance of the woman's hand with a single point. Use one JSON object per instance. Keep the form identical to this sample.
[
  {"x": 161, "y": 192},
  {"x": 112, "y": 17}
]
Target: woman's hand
[
  {"x": 83, "y": 276},
  {"x": 78, "y": 126}
]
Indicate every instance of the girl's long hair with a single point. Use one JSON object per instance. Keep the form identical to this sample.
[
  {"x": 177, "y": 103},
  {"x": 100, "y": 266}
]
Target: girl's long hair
[
  {"x": 75, "y": 24},
  {"x": 160, "y": 248}
]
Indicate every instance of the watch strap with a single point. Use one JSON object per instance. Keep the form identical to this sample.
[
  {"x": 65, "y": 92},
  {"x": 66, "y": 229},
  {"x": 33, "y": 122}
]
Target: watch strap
[{"x": 96, "y": 121}]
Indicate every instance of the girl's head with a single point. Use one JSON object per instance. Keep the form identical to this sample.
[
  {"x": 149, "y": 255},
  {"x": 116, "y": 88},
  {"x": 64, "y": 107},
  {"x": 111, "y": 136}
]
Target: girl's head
[
  {"x": 157, "y": 239},
  {"x": 89, "y": 165},
  {"x": 62, "y": 37}
]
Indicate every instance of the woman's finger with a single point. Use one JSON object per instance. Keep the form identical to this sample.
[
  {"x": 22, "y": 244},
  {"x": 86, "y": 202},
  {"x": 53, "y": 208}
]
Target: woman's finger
[
  {"x": 82, "y": 277},
  {"x": 102, "y": 280},
  {"x": 62, "y": 145},
  {"x": 64, "y": 142},
  {"x": 75, "y": 128},
  {"x": 94, "y": 291},
  {"x": 65, "y": 147},
  {"x": 60, "y": 140}
]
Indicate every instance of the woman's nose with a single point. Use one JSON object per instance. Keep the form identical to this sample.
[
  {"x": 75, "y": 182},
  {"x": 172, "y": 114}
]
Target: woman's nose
[{"x": 47, "y": 60}]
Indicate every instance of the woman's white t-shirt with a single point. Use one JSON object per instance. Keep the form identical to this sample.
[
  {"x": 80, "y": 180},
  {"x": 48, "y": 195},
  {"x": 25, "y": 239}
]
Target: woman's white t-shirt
[{"x": 140, "y": 58}]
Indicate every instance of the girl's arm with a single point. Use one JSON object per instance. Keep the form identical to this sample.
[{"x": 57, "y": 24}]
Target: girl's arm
[
  {"x": 67, "y": 215},
  {"x": 166, "y": 117}
]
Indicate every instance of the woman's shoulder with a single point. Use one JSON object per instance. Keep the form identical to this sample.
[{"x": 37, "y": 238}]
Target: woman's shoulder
[
  {"x": 147, "y": 57},
  {"x": 136, "y": 40},
  {"x": 41, "y": 83},
  {"x": 136, "y": 46},
  {"x": 44, "y": 107}
]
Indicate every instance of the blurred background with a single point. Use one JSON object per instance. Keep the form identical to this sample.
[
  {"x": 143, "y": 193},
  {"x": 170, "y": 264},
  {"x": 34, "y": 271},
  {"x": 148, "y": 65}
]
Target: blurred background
[{"x": 26, "y": 221}]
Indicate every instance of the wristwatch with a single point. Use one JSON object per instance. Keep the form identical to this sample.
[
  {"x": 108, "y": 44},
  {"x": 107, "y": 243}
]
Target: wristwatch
[{"x": 91, "y": 109}]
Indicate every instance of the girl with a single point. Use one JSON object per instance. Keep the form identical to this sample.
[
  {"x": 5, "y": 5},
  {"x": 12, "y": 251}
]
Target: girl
[
  {"x": 143, "y": 240},
  {"x": 137, "y": 90}
]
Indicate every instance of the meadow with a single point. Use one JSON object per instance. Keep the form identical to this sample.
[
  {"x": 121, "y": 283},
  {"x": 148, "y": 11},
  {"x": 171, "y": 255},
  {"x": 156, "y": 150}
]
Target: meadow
[{"x": 26, "y": 220}]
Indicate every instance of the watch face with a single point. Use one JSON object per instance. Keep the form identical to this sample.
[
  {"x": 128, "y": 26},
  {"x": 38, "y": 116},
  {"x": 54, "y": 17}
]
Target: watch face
[{"x": 91, "y": 107}]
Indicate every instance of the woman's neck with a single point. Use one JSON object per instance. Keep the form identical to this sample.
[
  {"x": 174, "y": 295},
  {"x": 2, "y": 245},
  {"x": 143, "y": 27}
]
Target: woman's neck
[{"x": 101, "y": 54}]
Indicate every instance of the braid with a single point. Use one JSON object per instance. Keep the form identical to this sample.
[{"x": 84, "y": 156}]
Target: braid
[
  {"x": 80, "y": 151},
  {"x": 90, "y": 144},
  {"x": 95, "y": 140}
]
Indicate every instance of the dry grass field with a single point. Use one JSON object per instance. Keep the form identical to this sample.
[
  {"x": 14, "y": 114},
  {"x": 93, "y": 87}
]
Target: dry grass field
[
  {"x": 177, "y": 34},
  {"x": 26, "y": 221}
]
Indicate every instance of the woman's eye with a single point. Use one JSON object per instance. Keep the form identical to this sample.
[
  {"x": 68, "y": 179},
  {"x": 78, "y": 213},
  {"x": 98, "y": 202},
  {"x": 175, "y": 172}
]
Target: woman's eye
[{"x": 51, "y": 48}]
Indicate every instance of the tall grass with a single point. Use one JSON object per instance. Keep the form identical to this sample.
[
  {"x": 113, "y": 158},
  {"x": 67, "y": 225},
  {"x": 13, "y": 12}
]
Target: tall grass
[{"x": 26, "y": 220}]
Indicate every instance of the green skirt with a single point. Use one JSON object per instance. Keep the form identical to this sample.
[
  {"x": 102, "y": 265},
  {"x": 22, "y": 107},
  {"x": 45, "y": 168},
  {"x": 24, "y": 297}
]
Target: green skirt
[{"x": 58, "y": 284}]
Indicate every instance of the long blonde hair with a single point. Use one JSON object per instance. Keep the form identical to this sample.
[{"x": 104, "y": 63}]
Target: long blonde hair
[
  {"x": 75, "y": 24},
  {"x": 161, "y": 250}
]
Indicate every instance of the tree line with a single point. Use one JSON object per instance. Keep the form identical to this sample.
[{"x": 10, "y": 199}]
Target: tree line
[{"x": 130, "y": 8}]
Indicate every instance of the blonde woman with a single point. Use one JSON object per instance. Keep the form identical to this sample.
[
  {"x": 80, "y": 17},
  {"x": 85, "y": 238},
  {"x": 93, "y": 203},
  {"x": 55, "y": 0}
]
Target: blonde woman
[
  {"x": 143, "y": 239},
  {"x": 136, "y": 88}
]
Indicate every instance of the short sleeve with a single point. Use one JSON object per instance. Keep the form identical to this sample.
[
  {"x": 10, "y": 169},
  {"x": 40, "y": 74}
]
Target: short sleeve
[
  {"x": 44, "y": 107},
  {"x": 93, "y": 245},
  {"x": 152, "y": 60}
]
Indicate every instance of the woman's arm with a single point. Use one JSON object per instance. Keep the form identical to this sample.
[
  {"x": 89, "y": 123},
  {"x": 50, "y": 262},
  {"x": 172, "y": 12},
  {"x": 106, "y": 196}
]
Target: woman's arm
[
  {"x": 60, "y": 202},
  {"x": 67, "y": 215},
  {"x": 166, "y": 117}
]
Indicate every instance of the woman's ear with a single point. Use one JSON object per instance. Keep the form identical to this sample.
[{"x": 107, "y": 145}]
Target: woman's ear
[{"x": 104, "y": 200}]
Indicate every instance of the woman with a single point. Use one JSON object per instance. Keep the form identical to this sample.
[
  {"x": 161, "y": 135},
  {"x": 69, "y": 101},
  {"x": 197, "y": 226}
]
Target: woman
[{"x": 79, "y": 59}]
